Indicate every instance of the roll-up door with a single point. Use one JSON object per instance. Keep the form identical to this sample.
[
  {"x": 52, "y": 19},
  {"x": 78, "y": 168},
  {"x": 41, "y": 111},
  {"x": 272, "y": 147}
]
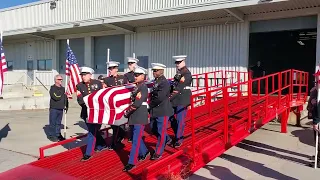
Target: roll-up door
[{"x": 116, "y": 45}]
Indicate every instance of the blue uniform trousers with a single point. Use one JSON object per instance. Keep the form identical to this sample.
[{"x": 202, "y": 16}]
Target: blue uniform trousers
[
  {"x": 178, "y": 123},
  {"x": 131, "y": 131},
  {"x": 159, "y": 127},
  {"x": 55, "y": 118},
  {"x": 93, "y": 137},
  {"x": 138, "y": 146}
]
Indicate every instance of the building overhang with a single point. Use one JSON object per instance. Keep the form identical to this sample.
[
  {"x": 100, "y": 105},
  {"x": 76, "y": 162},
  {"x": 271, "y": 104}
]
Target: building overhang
[{"x": 193, "y": 15}]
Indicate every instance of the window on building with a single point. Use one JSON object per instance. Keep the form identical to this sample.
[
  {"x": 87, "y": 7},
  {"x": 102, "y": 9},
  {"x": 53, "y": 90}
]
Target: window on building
[
  {"x": 44, "y": 65},
  {"x": 10, "y": 65},
  {"x": 30, "y": 65}
]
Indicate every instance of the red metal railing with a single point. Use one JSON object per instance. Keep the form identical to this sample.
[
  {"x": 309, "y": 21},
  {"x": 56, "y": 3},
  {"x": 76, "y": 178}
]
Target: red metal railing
[
  {"x": 273, "y": 92},
  {"x": 201, "y": 85}
]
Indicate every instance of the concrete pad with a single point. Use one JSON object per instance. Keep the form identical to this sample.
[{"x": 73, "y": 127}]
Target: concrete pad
[{"x": 266, "y": 154}]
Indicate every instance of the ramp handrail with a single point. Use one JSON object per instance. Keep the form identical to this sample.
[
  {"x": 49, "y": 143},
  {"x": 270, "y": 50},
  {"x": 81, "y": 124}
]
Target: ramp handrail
[{"x": 279, "y": 84}]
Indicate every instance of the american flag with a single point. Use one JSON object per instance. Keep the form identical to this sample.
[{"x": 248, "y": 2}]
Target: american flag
[
  {"x": 3, "y": 66},
  {"x": 107, "y": 106},
  {"x": 72, "y": 70}
]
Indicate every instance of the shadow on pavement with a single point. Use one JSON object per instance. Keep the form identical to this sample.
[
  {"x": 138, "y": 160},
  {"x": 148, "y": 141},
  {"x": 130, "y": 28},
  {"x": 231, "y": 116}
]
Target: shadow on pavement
[
  {"x": 271, "y": 153},
  {"x": 265, "y": 146},
  {"x": 4, "y": 131},
  {"x": 256, "y": 167},
  {"x": 218, "y": 172},
  {"x": 305, "y": 136}
]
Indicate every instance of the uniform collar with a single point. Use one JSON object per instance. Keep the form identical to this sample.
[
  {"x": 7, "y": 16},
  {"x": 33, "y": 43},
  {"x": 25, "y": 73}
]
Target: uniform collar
[
  {"x": 183, "y": 68},
  {"x": 87, "y": 82}
]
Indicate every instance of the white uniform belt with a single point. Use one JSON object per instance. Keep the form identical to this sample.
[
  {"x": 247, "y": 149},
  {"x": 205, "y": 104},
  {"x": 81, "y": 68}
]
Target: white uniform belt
[
  {"x": 187, "y": 87},
  {"x": 145, "y": 103}
]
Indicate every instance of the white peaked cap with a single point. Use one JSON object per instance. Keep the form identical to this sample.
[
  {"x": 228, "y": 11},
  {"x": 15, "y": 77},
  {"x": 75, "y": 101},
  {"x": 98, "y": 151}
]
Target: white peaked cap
[
  {"x": 113, "y": 64},
  {"x": 86, "y": 70},
  {"x": 140, "y": 70},
  {"x": 132, "y": 60},
  {"x": 157, "y": 66},
  {"x": 179, "y": 58}
]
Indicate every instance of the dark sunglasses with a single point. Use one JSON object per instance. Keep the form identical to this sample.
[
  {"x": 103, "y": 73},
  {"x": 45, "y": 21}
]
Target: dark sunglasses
[
  {"x": 110, "y": 68},
  {"x": 155, "y": 70},
  {"x": 137, "y": 75},
  {"x": 178, "y": 62},
  {"x": 129, "y": 63},
  {"x": 59, "y": 79}
]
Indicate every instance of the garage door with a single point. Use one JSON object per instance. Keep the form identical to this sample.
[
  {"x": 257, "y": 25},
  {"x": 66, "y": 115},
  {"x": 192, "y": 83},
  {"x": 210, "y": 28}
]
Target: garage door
[{"x": 116, "y": 45}]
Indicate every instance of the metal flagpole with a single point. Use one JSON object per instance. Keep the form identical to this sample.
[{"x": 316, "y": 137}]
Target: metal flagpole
[
  {"x": 0, "y": 66},
  {"x": 65, "y": 114},
  {"x": 317, "y": 74},
  {"x": 108, "y": 60},
  {"x": 134, "y": 55}
]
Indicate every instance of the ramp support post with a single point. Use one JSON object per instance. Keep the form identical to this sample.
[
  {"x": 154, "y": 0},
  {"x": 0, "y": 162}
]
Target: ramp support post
[{"x": 284, "y": 121}]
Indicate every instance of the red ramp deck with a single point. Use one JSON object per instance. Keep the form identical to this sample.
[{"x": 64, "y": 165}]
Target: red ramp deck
[{"x": 218, "y": 119}]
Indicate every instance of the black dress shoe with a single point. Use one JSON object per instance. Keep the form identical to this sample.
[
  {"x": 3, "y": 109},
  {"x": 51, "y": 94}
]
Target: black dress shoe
[
  {"x": 177, "y": 144},
  {"x": 53, "y": 138},
  {"x": 155, "y": 157},
  {"x": 85, "y": 158},
  {"x": 111, "y": 148},
  {"x": 128, "y": 167},
  {"x": 101, "y": 148},
  {"x": 61, "y": 138},
  {"x": 142, "y": 158}
]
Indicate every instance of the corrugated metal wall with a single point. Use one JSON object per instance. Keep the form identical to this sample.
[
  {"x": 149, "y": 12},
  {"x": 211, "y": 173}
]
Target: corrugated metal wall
[
  {"x": 77, "y": 46},
  {"x": 116, "y": 45},
  {"x": 67, "y": 11},
  {"x": 209, "y": 48},
  {"x": 19, "y": 53}
]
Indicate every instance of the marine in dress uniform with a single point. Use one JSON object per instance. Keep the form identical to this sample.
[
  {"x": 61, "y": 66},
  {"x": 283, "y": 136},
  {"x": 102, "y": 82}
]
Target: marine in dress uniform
[
  {"x": 180, "y": 98},
  {"x": 313, "y": 114},
  {"x": 115, "y": 80},
  {"x": 160, "y": 109},
  {"x": 84, "y": 88},
  {"x": 137, "y": 113},
  {"x": 129, "y": 78}
]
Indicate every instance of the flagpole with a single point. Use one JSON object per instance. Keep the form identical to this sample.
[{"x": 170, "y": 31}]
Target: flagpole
[
  {"x": 65, "y": 114},
  {"x": 1, "y": 67},
  {"x": 108, "y": 60},
  {"x": 134, "y": 55},
  {"x": 317, "y": 75}
]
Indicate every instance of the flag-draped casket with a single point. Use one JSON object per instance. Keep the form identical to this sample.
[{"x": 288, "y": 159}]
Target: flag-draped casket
[{"x": 107, "y": 106}]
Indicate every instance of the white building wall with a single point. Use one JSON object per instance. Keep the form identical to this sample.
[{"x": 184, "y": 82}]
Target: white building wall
[{"x": 209, "y": 48}]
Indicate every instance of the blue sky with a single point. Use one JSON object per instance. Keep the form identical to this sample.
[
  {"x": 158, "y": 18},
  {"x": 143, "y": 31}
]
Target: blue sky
[{"x": 10, "y": 3}]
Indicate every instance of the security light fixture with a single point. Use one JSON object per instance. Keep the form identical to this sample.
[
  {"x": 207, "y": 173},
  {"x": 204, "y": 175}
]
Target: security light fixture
[{"x": 53, "y": 5}]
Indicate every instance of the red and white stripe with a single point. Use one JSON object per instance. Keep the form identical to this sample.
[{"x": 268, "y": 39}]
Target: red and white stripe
[
  {"x": 3, "y": 69},
  {"x": 73, "y": 72},
  {"x": 107, "y": 106}
]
